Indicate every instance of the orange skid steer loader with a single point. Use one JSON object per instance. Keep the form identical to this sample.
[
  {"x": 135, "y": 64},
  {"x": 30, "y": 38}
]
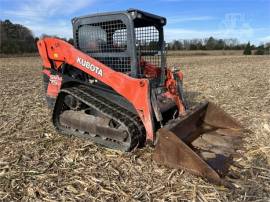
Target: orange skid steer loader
[{"x": 114, "y": 88}]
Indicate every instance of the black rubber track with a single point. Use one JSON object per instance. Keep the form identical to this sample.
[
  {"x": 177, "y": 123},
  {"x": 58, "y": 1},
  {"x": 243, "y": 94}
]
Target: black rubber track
[{"x": 113, "y": 111}]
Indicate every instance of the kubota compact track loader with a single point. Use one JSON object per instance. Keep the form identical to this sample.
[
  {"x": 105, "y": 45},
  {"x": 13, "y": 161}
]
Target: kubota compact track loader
[{"x": 113, "y": 87}]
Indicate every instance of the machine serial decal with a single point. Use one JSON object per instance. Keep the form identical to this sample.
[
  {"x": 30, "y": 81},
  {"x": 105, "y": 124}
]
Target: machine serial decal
[
  {"x": 90, "y": 66},
  {"x": 55, "y": 79}
]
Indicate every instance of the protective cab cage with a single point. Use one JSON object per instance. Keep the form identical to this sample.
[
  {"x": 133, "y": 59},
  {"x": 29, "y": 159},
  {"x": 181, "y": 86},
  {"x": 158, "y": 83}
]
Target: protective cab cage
[{"x": 122, "y": 40}]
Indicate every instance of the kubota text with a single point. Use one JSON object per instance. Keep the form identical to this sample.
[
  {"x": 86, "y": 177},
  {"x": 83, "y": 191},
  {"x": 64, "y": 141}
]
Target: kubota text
[{"x": 90, "y": 66}]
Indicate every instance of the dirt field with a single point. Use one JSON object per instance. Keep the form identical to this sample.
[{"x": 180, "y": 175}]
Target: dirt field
[
  {"x": 185, "y": 53},
  {"x": 36, "y": 163}
]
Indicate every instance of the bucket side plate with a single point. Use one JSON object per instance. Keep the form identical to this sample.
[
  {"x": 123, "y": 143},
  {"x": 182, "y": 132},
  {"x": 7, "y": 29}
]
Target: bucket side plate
[{"x": 204, "y": 142}]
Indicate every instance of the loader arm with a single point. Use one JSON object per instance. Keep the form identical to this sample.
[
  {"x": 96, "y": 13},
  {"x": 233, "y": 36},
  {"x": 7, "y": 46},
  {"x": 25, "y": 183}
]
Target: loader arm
[{"x": 136, "y": 91}]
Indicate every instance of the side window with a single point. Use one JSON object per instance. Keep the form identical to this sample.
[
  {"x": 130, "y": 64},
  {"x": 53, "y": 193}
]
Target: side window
[
  {"x": 103, "y": 37},
  {"x": 147, "y": 38},
  {"x": 148, "y": 45},
  {"x": 120, "y": 39},
  {"x": 92, "y": 38},
  {"x": 107, "y": 42}
]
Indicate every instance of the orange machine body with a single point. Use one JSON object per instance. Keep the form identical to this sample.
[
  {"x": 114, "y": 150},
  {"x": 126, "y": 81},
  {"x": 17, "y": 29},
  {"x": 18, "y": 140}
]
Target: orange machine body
[{"x": 55, "y": 52}]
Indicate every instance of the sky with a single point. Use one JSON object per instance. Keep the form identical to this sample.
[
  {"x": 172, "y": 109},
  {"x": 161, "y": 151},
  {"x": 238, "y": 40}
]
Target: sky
[{"x": 246, "y": 20}]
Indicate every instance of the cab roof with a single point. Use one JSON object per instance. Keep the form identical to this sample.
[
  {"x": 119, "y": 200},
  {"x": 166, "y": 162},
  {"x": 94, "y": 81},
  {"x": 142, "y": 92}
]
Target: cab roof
[{"x": 140, "y": 18}]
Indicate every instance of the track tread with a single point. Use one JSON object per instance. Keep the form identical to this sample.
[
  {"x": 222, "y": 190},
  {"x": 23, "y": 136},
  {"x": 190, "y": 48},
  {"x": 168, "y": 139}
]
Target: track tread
[{"x": 89, "y": 97}]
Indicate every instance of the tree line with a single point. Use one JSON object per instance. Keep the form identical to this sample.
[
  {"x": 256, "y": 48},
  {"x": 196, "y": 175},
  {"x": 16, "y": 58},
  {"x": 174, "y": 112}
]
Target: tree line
[
  {"x": 16, "y": 39},
  {"x": 212, "y": 43}
]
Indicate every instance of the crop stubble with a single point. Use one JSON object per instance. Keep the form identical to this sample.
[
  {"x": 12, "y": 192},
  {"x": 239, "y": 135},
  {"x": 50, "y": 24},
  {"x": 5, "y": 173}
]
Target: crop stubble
[{"x": 36, "y": 163}]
